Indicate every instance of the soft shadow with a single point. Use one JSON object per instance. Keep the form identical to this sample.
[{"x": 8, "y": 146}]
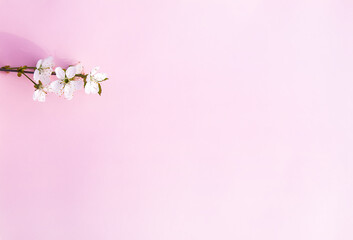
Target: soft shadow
[{"x": 18, "y": 51}]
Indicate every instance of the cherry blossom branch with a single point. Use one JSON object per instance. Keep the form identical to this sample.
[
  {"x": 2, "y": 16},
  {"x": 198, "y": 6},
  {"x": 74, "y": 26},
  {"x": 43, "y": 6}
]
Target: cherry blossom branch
[
  {"x": 20, "y": 71},
  {"x": 68, "y": 80},
  {"x": 13, "y": 70}
]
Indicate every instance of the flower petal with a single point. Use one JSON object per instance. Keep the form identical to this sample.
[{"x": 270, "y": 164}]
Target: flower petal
[
  {"x": 46, "y": 72},
  {"x": 56, "y": 87},
  {"x": 60, "y": 73},
  {"x": 48, "y": 62},
  {"x": 88, "y": 87},
  {"x": 77, "y": 84},
  {"x": 70, "y": 72},
  {"x": 94, "y": 70},
  {"x": 45, "y": 79},
  {"x": 36, "y": 75},
  {"x": 100, "y": 76},
  {"x": 46, "y": 89},
  {"x": 94, "y": 88},
  {"x": 69, "y": 91},
  {"x": 79, "y": 68},
  {"x": 35, "y": 94},
  {"x": 41, "y": 97},
  {"x": 39, "y": 63}
]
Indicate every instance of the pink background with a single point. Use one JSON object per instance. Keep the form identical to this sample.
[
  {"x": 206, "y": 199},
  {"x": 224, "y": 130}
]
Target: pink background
[{"x": 222, "y": 119}]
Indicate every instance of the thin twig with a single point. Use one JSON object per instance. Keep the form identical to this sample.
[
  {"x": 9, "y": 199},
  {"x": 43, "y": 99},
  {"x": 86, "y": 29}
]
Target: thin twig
[
  {"x": 13, "y": 70},
  {"x": 29, "y": 78}
]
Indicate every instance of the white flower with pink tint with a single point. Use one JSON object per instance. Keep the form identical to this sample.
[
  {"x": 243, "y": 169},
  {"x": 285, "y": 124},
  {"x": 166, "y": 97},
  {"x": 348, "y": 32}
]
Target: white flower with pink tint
[
  {"x": 43, "y": 71},
  {"x": 79, "y": 68},
  {"x": 40, "y": 94},
  {"x": 68, "y": 80},
  {"x": 93, "y": 81},
  {"x": 41, "y": 78},
  {"x": 67, "y": 84}
]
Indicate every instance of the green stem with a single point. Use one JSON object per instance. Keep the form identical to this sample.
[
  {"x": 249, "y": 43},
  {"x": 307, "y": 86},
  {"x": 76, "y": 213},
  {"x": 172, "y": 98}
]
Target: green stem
[
  {"x": 29, "y": 78},
  {"x": 81, "y": 76},
  {"x": 13, "y": 70}
]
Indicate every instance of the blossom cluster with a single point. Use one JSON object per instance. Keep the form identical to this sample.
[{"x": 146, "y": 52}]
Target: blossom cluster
[{"x": 68, "y": 80}]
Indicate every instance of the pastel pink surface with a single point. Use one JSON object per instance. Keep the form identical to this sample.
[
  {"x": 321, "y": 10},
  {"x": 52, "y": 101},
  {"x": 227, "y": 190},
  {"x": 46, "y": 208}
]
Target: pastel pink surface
[{"x": 222, "y": 119}]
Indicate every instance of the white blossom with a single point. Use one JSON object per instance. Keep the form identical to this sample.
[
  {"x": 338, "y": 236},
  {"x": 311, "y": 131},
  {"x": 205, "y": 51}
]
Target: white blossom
[
  {"x": 67, "y": 84},
  {"x": 68, "y": 80},
  {"x": 41, "y": 77},
  {"x": 43, "y": 70},
  {"x": 41, "y": 91},
  {"x": 79, "y": 68},
  {"x": 40, "y": 94},
  {"x": 93, "y": 80}
]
